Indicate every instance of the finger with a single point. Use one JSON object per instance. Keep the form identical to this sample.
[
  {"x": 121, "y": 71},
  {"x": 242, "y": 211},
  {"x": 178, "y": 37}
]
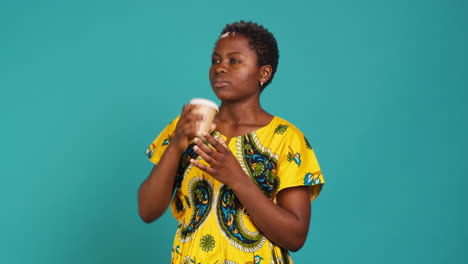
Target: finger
[
  {"x": 204, "y": 156},
  {"x": 202, "y": 146},
  {"x": 202, "y": 167},
  {"x": 193, "y": 117},
  {"x": 187, "y": 112},
  {"x": 222, "y": 142},
  {"x": 187, "y": 108},
  {"x": 212, "y": 127},
  {"x": 214, "y": 142}
]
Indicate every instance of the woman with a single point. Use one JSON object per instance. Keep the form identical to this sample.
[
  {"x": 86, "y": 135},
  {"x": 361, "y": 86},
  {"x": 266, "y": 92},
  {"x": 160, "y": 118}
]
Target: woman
[{"x": 243, "y": 193}]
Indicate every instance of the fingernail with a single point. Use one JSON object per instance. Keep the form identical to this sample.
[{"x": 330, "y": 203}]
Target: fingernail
[{"x": 204, "y": 133}]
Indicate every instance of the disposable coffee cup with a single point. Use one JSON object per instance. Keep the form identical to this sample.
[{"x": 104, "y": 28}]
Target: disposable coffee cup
[{"x": 208, "y": 110}]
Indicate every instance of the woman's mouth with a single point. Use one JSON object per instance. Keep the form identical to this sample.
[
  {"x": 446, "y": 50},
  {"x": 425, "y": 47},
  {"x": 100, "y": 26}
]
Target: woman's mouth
[{"x": 220, "y": 83}]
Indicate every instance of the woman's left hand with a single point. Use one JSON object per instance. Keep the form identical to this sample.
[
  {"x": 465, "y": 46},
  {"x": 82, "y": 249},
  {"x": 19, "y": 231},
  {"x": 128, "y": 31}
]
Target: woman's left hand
[{"x": 223, "y": 165}]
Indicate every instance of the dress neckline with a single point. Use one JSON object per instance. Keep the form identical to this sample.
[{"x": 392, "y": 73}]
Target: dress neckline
[{"x": 248, "y": 133}]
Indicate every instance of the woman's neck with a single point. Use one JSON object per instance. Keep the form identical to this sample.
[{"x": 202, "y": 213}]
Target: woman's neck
[
  {"x": 235, "y": 119},
  {"x": 240, "y": 112}
]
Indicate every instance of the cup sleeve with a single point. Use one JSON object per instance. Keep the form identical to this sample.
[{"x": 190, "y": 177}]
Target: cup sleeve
[
  {"x": 156, "y": 149},
  {"x": 298, "y": 165}
]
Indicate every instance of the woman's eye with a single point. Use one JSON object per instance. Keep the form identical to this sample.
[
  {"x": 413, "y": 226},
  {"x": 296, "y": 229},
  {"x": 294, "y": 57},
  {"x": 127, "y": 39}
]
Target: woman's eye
[
  {"x": 234, "y": 60},
  {"x": 214, "y": 61}
]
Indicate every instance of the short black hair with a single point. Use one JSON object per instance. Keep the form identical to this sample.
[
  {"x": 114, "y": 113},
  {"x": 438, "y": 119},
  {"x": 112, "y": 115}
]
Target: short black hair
[{"x": 261, "y": 41}]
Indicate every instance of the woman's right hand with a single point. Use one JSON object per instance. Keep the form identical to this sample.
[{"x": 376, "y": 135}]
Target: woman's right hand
[{"x": 186, "y": 128}]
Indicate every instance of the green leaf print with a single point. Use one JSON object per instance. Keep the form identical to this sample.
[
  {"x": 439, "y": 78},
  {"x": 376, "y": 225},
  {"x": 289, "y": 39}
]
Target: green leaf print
[
  {"x": 230, "y": 199},
  {"x": 258, "y": 168},
  {"x": 270, "y": 176},
  {"x": 247, "y": 146},
  {"x": 281, "y": 129},
  {"x": 198, "y": 195}
]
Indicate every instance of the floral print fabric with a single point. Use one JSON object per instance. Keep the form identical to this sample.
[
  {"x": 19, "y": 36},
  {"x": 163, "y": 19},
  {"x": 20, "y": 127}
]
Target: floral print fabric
[{"x": 214, "y": 227}]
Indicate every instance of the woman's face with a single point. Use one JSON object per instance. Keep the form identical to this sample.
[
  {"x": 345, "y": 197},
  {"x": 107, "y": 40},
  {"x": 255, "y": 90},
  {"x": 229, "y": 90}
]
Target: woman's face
[{"x": 234, "y": 72}]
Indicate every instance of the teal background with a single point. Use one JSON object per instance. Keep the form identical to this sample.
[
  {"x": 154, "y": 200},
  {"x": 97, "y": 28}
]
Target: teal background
[{"x": 378, "y": 87}]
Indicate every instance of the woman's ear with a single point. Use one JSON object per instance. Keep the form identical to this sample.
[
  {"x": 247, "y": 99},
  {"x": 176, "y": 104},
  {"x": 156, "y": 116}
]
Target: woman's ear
[{"x": 265, "y": 73}]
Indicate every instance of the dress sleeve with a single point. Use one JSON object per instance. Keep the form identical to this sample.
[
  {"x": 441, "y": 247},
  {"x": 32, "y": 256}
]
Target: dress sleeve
[
  {"x": 297, "y": 164},
  {"x": 156, "y": 149}
]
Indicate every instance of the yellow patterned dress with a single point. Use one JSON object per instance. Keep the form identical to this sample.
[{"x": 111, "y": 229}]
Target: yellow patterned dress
[{"x": 213, "y": 225}]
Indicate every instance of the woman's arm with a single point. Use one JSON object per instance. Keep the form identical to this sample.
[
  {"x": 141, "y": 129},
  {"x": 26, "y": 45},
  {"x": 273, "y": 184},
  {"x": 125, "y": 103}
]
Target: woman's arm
[
  {"x": 156, "y": 191},
  {"x": 285, "y": 223}
]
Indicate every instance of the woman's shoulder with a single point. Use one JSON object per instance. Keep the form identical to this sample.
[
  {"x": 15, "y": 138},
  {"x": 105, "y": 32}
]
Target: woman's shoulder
[
  {"x": 175, "y": 120},
  {"x": 283, "y": 126}
]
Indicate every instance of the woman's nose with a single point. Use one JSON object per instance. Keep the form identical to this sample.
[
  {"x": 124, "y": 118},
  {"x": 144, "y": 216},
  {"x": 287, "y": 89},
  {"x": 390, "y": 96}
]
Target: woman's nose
[{"x": 220, "y": 68}]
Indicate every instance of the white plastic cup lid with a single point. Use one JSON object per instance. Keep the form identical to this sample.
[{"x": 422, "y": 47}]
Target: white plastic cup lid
[{"x": 205, "y": 102}]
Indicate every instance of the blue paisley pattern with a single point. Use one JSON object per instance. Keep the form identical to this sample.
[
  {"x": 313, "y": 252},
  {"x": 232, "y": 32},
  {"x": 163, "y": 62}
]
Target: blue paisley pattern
[
  {"x": 201, "y": 196},
  {"x": 229, "y": 211},
  {"x": 260, "y": 165},
  {"x": 212, "y": 219},
  {"x": 184, "y": 163}
]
